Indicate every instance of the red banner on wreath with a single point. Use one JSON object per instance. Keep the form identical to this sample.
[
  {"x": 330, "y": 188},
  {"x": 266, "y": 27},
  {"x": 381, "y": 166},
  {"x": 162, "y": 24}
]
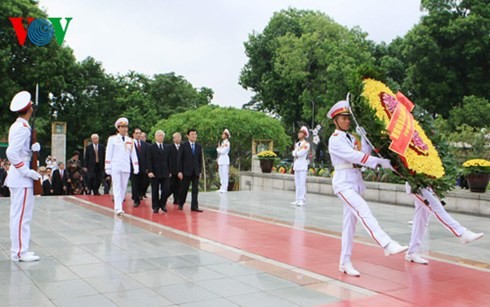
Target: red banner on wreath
[{"x": 401, "y": 129}]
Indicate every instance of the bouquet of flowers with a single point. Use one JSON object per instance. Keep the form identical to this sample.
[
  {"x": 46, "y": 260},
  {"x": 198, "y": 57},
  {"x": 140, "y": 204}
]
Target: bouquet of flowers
[{"x": 398, "y": 136}]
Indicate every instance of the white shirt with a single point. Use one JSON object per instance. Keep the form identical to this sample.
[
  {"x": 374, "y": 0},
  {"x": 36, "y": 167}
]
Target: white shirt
[
  {"x": 223, "y": 151},
  {"x": 344, "y": 149},
  {"x": 19, "y": 154},
  {"x": 119, "y": 154},
  {"x": 300, "y": 154}
]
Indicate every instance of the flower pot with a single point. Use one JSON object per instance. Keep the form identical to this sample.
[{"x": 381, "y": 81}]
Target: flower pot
[
  {"x": 266, "y": 165},
  {"x": 478, "y": 182}
]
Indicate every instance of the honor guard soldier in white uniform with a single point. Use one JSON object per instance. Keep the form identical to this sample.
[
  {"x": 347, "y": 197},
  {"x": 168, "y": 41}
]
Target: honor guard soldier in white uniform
[
  {"x": 348, "y": 185},
  {"x": 120, "y": 153},
  {"x": 426, "y": 203},
  {"x": 20, "y": 178},
  {"x": 224, "y": 160},
  {"x": 300, "y": 166}
]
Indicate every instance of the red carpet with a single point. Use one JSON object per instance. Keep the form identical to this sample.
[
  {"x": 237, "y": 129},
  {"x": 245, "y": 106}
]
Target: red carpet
[{"x": 398, "y": 282}]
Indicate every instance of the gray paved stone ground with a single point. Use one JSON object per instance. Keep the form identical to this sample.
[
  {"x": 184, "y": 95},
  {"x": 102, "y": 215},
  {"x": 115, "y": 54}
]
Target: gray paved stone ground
[{"x": 89, "y": 259}]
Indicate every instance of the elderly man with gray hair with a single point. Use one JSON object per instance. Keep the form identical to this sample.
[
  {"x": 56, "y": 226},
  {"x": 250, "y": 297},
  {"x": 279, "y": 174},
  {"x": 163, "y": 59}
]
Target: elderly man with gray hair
[
  {"x": 93, "y": 163},
  {"x": 158, "y": 166}
]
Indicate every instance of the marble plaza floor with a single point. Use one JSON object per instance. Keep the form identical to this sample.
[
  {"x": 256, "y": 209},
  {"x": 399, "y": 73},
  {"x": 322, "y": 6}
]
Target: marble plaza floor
[{"x": 246, "y": 249}]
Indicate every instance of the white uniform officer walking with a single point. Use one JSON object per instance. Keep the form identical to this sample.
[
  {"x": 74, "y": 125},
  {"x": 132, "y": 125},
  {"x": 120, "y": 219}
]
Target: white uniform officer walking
[
  {"x": 224, "y": 160},
  {"x": 300, "y": 166},
  {"x": 120, "y": 153},
  {"x": 426, "y": 204},
  {"x": 20, "y": 178},
  {"x": 348, "y": 185}
]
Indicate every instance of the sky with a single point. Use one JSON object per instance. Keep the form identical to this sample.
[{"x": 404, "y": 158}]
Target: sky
[{"x": 202, "y": 40}]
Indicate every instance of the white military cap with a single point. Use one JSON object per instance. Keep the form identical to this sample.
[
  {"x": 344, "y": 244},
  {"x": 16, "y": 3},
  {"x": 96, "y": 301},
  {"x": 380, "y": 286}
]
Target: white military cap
[
  {"x": 21, "y": 102},
  {"x": 121, "y": 121},
  {"x": 227, "y": 132},
  {"x": 304, "y": 129},
  {"x": 341, "y": 107}
]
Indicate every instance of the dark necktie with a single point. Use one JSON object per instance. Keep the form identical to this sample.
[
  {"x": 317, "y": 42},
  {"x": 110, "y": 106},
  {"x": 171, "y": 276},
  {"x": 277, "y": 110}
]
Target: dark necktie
[
  {"x": 123, "y": 138},
  {"x": 160, "y": 146},
  {"x": 192, "y": 146},
  {"x": 349, "y": 137}
]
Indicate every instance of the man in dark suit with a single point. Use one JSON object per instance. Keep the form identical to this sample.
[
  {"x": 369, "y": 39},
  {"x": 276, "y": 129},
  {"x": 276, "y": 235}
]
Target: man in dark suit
[
  {"x": 137, "y": 181},
  {"x": 190, "y": 166},
  {"x": 175, "y": 183},
  {"x": 58, "y": 181},
  {"x": 158, "y": 165},
  {"x": 93, "y": 164}
]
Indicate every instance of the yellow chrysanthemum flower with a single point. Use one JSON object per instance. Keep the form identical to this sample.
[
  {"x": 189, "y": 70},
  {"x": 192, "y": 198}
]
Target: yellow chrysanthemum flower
[{"x": 422, "y": 161}]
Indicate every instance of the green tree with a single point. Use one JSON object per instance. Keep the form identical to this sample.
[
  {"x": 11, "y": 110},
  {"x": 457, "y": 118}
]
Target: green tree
[
  {"x": 210, "y": 121},
  {"x": 474, "y": 112},
  {"x": 447, "y": 54},
  {"x": 301, "y": 63}
]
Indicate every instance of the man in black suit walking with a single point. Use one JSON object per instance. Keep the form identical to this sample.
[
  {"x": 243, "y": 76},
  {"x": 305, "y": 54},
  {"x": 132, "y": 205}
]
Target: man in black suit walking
[
  {"x": 59, "y": 180},
  {"x": 93, "y": 163},
  {"x": 137, "y": 181},
  {"x": 158, "y": 164},
  {"x": 175, "y": 183},
  {"x": 190, "y": 166}
]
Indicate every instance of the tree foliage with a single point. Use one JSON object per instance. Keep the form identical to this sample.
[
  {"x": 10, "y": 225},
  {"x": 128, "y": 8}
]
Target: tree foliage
[
  {"x": 210, "y": 121},
  {"x": 474, "y": 111},
  {"x": 302, "y": 59}
]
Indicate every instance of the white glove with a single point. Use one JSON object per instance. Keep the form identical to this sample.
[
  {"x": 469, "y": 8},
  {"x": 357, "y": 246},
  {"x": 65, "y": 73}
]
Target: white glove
[
  {"x": 36, "y": 147},
  {"x": 408, "y": 188},
  {"x": 108, "y": 171},
  {"x": 33, "y": 174},
  {"x": 386, "y": 164},
  {"x": 136, "y": 170},
  {"x": 361, "y": 131}
]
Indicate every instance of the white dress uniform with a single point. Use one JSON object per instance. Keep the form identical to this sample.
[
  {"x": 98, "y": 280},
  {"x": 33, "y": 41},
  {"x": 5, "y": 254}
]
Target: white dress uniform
[
  {"x": 348, "y": 185},
  {"x": 120, "y": 152},
  {"x": 20, "y": 181},
  {"x": 224, "y": 162},
  {"x": 426, "y": 204},
  {"x": 300, "y": 167}
]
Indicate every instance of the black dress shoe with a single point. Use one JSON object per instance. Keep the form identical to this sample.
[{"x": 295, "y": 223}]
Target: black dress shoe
[
  {"x": 196, "y": 210},
  {"x": 136, "y": 204},
  {"x": 181, "y": 207},
  {"x": 155, "y": 210},
  {"x": 164, "y": 209}
]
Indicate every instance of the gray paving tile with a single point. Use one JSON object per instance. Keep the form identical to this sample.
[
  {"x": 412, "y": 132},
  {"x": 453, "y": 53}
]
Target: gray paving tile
[
  {"x": 187, "y": 292},
  {"x": 197, "y": 273},
  {"x": 113, "y": 283},
  {"x": 227, "y": 287},
  {"x": 212, "y": 303},
  {"x": 265, "y": 282},
  {"x": 261, "y": 299},
  {"x": 232, "y": 269},
  {"x": 157, "y": 278},
  {"x": 91, "y": 300},
  {"x": 61, "y": 290},
  {"x": 138, "y": 297}
]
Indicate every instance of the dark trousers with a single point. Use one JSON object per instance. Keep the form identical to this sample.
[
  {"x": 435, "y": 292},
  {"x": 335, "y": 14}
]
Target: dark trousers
[
  {"x": 95, "y": 179},
  {"x": 160, "y": 191},
  {"x": 136, "y": 187},
  {"x": 175, "y": 186},
  {"x": 145, "y": 183},
  {"x": 186, "y": 182}
]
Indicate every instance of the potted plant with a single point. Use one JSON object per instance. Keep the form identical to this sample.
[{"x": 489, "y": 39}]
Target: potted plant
[
  {"x": 267, "y": 159},
  {"x": 477, "y": 173}
]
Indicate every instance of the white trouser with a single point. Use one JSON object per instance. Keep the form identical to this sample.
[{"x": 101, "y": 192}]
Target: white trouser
[
  {"x": 422, "y": 215},
  {"x": 119, "y": 185},
  {"x": 355, "y": 207},
  {"x": 300, "y": 183},
  {"x": 21, "y": 207},
  {"x": 223, "y": 171}
]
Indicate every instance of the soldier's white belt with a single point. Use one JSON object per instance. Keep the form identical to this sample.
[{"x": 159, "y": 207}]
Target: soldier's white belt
[{"x": 344, "y": 166}]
